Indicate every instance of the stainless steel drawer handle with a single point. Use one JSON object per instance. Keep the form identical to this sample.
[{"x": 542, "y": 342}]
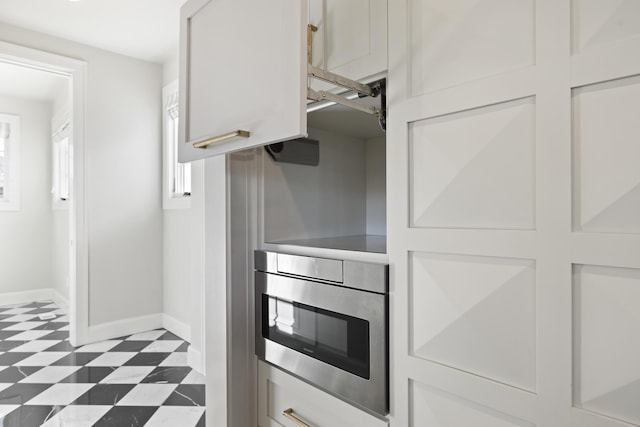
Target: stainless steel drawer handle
[
  {"x": 236, "y": 133},
  {"x": 289, "y": 414}
]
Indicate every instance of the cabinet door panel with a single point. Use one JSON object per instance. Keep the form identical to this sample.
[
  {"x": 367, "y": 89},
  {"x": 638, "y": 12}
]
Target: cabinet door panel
[
  {"x": 242, "y": 67},
  {"x": 351, "y": 39}
]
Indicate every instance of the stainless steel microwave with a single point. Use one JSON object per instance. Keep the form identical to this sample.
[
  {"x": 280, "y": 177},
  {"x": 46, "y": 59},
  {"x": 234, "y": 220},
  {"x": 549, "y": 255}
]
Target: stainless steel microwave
[{"x": 325, "y": 321}]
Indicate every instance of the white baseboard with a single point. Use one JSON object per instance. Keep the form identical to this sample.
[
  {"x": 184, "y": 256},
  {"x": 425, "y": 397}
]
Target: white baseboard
[
  {"x": 176, "y": 327},
  {"x": 24, "y": 297},
  {"x": 123, "y": 327},
  {"x": 60, "y": 300},
  {"x": 195, "y": 359}
]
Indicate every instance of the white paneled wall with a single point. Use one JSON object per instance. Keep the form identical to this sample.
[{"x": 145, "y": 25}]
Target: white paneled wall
[{"x": 514, "y": 212}]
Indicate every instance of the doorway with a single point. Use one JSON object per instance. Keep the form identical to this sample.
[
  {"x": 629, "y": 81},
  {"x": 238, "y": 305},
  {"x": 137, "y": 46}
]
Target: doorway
[{"x": 74, "y": 241}]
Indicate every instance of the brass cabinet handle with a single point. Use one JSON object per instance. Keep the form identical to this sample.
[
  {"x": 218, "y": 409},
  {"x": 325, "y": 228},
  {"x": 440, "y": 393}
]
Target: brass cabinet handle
[
  {"x": 289, "y": 414},
  {"x": 203, "y": 143}
]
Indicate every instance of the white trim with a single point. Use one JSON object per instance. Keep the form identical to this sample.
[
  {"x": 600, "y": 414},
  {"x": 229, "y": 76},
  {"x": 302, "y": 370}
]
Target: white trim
[
  {"x": 119, "y": 328},
  {"x": 195, "y": 359},
  {"x": 76, "y": 70},
  {"x": 176, "y": 327}
]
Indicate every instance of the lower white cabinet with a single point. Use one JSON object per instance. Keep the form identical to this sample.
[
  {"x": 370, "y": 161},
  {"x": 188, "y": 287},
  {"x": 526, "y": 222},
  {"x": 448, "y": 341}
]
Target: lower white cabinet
[{"x": 278, "y": 392}]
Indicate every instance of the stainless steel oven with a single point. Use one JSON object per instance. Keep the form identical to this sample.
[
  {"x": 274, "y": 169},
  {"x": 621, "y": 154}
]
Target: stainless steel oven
[{"x": 325, "y": 321}]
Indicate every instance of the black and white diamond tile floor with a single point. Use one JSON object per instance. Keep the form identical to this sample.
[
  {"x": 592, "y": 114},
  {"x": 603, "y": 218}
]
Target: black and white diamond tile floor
[{"x": 137, "y": 380}]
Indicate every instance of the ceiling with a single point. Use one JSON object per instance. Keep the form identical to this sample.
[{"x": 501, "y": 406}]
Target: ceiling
[{"x": 143, "y": 29}]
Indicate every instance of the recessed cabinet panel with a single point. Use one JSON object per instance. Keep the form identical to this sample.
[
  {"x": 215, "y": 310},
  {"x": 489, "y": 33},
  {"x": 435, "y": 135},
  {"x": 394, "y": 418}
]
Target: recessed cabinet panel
[
  {"x": 606, "y": 349},
  {"x": 351, "y": 39},
  {"x": 476, "y": 314},
  {"x": 454, "y": 41},
  {"x": 600, "y": 22},
  {"x": 242, "y": 67},
  {"x": 606, "y": 153},
  {"x": 435, "y": 408},
  {"x": 475, "y": 169}
]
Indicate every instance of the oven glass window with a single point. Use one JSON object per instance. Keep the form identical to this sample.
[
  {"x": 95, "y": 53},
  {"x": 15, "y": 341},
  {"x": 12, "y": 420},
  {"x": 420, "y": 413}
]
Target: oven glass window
[{"x": 334, "y": 338}]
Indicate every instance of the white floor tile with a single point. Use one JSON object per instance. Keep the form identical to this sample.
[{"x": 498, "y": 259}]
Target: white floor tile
[
  {"x": 128, "y": 375},
  {"x": 194, "y": 377},
  {"x": 77, "y": 416},
  {"x": 146, "y": 336},
  {"x": 28, "y": 335},
  {"x": 147, "y": 395},
  {"x": 175, "y": 359},
  {"x": 98, "y": 347},
  {"x": 20, "y": 318},
  {"x": 50, "y": 374},
  {"x": 64, "y": 328},
  {"x": 23, "y": 326},
  {"x": 162, "y": 347},
  {"x": 4, "y": 410},
  {"x": 42, "y": 359},
  {"x": 62, "y": 319},
  {"x": 60, "y": 394},
  {"x": 52, "y": 305},
  {"x": 35, "y": 346},
  {"x": 5, "y": 385},
  {"x": 17, "y": 310},
  {"x": 115, "y": 358},
  {"x": 175, "y": 416}
]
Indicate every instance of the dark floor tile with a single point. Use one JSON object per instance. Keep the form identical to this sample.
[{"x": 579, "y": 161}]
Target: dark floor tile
[
  {"x": 56, "y": 335},
  {"x": 167, "y": 375},
  {"x": 61, "y": 346},
  {"x": 51, "y": 326},
  {"x": 183, "y": 347},
  {"x": 31, "y": 415},
  {"x": 203, "y": 421},
  {"x": 131, "y": 346},
  {"x": 13, "y": 374},
  {"x": 104, "y": 394},
  {"x": 8, "y": 345},
  {"x": 6, "y": 325},
  {"x": 88, "y": 374},
  {"x": 169, "y": 336},
  {"x": 40, "y": 310},
  {"x": 133, "y": 416},
  {"x": 76, "y": 359},
  {"x": 7, "y": 334},
  {"x": 146, "y": 359},
  {"x": 5, "y": 316},
  {"x": 187, "y": 395},
  {"x": 37, "y": 304},
  {"x": 8, "y": 359},
  {"x": 21, "y": 393}
]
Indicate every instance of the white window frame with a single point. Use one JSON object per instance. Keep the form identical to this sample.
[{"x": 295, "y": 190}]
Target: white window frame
[
  {"x": 10, "y": 200},
  {"x": 62, "y": 159},
  {"x": 174, "y": 175}
]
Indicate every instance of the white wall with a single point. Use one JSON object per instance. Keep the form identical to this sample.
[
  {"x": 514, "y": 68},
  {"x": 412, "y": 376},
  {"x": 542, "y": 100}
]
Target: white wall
[
  {"x": 25, "y": 235},
  {"x": 123, "y": 176}
]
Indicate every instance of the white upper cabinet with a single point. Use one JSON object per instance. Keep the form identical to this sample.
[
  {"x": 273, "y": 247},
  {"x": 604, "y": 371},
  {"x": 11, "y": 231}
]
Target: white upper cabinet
[
  {"x": 242, "y": 71},
  {"x": 351, "y": 37}
]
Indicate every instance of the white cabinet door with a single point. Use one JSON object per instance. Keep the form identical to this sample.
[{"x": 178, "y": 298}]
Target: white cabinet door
[
  {"x": 278, "y": 392},
  {"x": 351, "y": 37},
  {"x": 242, "y": 68}
]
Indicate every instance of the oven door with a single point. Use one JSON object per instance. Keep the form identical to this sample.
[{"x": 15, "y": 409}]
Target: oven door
[{"x": 329, "y": 335}]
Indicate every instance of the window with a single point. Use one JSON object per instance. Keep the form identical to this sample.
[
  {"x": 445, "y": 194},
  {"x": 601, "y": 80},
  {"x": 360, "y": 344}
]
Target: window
[
  {"x": 177, "y": 176},
  {"x": 61, "y": 157},
  {"x": 9, "y": 162}
]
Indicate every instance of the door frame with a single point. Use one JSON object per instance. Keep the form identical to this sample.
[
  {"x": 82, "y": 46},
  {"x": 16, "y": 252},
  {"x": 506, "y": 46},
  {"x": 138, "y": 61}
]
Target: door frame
[{"x": 76, "y": 71}]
